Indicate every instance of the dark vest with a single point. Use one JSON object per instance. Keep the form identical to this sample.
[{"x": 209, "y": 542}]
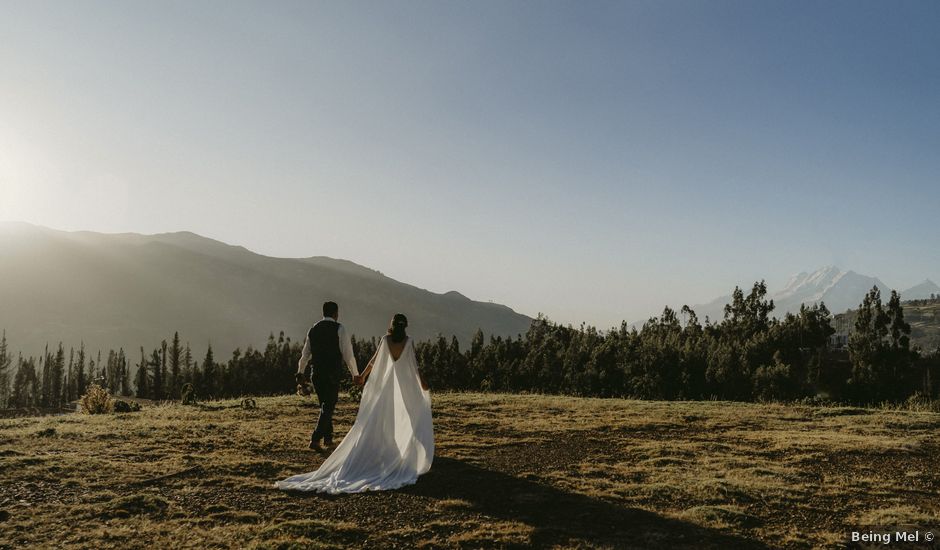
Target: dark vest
[{"x": 324, "y": 347}]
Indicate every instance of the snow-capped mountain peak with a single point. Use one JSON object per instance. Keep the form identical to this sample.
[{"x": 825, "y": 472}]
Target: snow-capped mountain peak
[
  {"x": 838, "y": 289},
  {"x": 811, "y": 287}
]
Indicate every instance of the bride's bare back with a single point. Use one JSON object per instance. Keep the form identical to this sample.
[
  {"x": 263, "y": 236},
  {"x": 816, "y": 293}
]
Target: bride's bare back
[{"x": 396, "y": 348}]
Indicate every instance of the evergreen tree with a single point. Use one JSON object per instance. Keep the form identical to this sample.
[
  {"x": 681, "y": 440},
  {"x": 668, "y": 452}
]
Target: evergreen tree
[
  {"x": 175, "y": 358},
  {"x": 91, "y": 378},
  {"x": 164, "y": 379},
  {"x": 188, "y": 365},
  {"x": 208, "y": 378},
  {"x": 899, "y": 329},
  {"x": 26, "y": 390},
  {"x": 34, "y": 390},
  {"x": 5, "y": 362},
  {"x": 68, "y": 388},
  {"x": 900, "y": 358},
  {"x": 56, "y": 376},
  {"x": 125, "y": 374},
  {"x": 158, "y": 364},
  {"x": 110, "y": 374},
  {"x": 80, "y": 380},
  {"x": 45, "y": 386},
  {"x": 867, "y": 347},
  {"x": 142, "y": 380}
]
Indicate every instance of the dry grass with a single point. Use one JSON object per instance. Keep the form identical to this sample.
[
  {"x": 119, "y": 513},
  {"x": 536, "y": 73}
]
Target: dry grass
[{"x": 510, "y": 472}]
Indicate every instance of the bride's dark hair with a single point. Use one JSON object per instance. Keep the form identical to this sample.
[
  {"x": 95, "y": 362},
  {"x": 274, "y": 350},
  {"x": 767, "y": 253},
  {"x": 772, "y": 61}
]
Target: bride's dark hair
[{"x": 396, "y": 329}]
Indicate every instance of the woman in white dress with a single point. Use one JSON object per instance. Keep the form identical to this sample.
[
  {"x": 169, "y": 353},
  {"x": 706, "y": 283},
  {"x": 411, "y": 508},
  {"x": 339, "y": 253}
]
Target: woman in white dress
[{"x": 392, "y": 441}]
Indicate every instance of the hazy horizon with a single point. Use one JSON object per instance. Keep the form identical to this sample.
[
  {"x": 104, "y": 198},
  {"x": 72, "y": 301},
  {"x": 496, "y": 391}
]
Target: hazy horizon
[
  {"x": 775, "y": 284},
  {"x": 591, "y": 162}
]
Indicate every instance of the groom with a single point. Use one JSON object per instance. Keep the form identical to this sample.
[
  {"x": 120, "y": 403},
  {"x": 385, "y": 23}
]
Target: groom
[{"x": 329, "y": 346}]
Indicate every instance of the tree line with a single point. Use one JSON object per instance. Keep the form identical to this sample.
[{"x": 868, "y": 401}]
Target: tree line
[
  {"x": 747, "y": 355},
  {"x": 932, "y": 300}
]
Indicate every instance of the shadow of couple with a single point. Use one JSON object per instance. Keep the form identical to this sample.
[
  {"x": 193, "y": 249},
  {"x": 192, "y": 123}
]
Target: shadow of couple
[{"x": 562, "y": 518}]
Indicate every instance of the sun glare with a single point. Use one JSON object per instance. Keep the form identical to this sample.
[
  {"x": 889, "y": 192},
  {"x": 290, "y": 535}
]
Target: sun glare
[{"x": 25, "y": 177}]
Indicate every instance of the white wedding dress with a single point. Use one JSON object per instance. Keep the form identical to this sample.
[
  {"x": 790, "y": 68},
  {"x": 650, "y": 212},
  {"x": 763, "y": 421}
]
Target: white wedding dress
[{"x": 392, "y": 441}]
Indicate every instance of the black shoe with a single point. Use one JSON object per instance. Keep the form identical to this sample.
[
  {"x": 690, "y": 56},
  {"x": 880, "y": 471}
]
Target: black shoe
[
  {"x": 328, "y": 441},
  {"x": 315, "y": 444}
]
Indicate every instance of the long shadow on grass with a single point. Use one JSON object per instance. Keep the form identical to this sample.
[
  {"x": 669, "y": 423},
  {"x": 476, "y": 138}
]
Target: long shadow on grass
[{"x": 559, "y": 517}]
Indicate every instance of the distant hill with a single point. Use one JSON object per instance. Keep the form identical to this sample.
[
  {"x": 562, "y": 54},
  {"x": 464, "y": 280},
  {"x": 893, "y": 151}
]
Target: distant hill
[
  {"x": 114, "y": 290},
  {"x": 923, "y": 291},
  {"x": 923, "y": 316}
]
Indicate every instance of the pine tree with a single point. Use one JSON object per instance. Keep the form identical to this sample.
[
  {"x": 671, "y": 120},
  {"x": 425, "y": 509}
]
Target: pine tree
[
  {"x": 68, "y": 388},
  {"x": 109, "y": 372},
  {"x": 34, "y": 391},
  {"x": 91, "y": 378},
  {"x": 18, "y": 386},
  {"x": 25, "y": 384},
  {"x": 209, "y": 377},
  {"x": 156, "y": 390},
  {"x": 5, "y": 362},
  {"x": 187, "y": 365},
  {"x": 164, "y": 382},
  {"x": 900, "y": 358},
  {"x": 142, "y": 380},
  {"x": 80, "y": 381},
  {"x": 45, "y": 386},
  {"x": 125, "y": 374},
  {"x": 867, "y": 348},
  {"x": 56, "y": 375},
  {"x": 175, "y": 361},
  {"x": 900, "y": 330}
]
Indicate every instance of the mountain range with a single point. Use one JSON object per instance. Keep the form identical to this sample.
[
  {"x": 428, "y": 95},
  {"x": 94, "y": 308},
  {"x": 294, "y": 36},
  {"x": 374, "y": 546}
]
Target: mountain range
[
  {"x": 840, "y": 290},
  {"x": 127, "y": 290}
]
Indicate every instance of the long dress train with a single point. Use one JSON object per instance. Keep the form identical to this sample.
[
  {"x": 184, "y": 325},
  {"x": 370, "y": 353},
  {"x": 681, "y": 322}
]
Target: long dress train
[{"x": 391, "y": 442}]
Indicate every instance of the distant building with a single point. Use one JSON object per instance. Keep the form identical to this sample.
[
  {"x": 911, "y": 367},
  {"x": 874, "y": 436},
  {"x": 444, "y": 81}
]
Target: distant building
[{"x": 838, "y": 341}]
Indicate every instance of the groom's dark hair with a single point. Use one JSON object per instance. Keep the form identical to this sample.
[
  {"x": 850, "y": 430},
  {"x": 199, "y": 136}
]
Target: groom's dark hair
[{"x": 330, "y": 309}]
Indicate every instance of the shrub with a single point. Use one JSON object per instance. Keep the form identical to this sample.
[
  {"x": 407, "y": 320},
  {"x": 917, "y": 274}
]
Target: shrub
[
  {"x": 774, "y": 382},
  {"x": 188, "y": 395},
  {"x": 921, "y": 401},
  {"x": 121, "y": 406},
  {"x": 97, "y": 400}
]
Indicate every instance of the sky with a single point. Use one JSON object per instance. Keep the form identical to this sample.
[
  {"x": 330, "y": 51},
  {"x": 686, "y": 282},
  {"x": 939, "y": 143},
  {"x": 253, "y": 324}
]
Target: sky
[{"x": 592, "y": 161}]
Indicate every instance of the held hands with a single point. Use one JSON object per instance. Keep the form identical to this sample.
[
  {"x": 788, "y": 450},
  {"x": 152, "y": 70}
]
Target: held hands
[
  {"x": 303, "y": 385},
  {"x": 359, "y": 380}
]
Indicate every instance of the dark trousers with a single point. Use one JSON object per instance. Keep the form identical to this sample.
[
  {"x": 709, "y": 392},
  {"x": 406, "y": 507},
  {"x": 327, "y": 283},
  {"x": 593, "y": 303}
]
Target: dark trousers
[{"x": 326, "y": 384}]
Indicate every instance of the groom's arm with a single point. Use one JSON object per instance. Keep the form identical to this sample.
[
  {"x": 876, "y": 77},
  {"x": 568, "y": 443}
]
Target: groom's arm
[
  {"x": 304, "y": 357},
  {"x": 345, "y": 346}
]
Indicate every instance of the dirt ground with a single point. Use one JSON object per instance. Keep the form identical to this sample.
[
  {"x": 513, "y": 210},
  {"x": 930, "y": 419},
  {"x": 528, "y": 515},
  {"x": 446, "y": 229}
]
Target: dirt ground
[{"x": 510, "y": 471}]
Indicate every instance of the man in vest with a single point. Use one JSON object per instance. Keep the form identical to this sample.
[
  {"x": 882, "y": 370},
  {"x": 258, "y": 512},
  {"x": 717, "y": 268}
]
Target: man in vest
[{"x": 327, "y": 347}]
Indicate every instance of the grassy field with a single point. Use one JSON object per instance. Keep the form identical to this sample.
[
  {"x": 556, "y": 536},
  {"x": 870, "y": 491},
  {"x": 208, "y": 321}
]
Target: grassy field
[{"x": 510, "y": 472}]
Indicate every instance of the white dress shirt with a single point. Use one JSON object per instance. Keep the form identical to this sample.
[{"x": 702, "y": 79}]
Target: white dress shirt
[{"x": 345, "y": 347}]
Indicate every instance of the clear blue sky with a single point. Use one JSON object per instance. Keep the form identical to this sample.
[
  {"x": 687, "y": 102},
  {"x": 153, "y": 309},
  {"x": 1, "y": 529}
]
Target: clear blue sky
[{"x": 590, "y": 160}]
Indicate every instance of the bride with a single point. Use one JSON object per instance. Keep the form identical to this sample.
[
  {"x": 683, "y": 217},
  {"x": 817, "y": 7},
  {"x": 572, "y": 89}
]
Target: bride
[{"x": 392, "y": 441}]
